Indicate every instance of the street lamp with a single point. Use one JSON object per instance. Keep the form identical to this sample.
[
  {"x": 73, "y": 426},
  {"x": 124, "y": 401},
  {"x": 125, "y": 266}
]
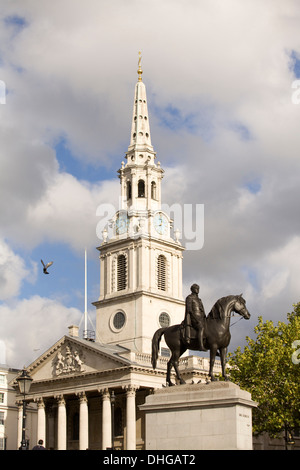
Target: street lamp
[
  {"x": 289, "y": 440},
  {"x": 24, "y": 382}
]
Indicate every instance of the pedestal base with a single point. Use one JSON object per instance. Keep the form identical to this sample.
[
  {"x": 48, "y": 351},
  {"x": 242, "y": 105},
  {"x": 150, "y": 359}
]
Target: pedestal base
[{"x": 214, "y": 416}]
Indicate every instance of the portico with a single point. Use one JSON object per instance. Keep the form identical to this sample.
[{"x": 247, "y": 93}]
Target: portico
[
  {"x": 74, "y": 403},
  {"x": 83, "y": 420}
]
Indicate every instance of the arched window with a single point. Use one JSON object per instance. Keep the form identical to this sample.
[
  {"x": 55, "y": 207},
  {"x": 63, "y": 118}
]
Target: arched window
[
  {"x": 153, "y": 190},
  {"x": 128, "y": 189},
  {"x": 161, "y": 272},
  {"x": 121, "y": 272},
  {"x": 141, "y": 188}
]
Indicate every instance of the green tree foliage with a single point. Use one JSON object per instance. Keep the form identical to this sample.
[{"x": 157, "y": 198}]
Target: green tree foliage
[{"x": 269, "y": 368}]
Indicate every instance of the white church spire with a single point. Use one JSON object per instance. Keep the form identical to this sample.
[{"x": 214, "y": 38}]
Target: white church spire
[
  {"x": 140, "y": 263},
  {"x": 140, "y": 138}
]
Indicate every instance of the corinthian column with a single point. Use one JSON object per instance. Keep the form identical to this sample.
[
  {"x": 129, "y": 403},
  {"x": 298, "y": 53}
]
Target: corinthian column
[
  {"x": 61, "y": 424},
  {"x": 106, "y": 420},
  {"x": 130, "y": 418},
  {"x": 41, "y": 420},
  {"x": 83, "y": 422}
]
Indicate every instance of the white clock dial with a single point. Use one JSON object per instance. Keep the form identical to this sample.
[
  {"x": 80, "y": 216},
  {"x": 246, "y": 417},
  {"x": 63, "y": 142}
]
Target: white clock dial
[
  {"x": 122, "y": 224},
  {"x": 160, "y": 223}
]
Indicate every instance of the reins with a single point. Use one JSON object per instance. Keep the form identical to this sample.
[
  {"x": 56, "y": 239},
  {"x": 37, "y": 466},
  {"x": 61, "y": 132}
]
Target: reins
[{"x": 241, "y": 318}]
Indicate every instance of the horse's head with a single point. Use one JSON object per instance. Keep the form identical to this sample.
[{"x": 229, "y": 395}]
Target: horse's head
[{"x": 240, "y": 307}]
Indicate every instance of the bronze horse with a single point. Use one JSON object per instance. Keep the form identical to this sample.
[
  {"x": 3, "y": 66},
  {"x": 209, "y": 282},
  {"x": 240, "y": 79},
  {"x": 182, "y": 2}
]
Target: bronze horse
[{"x": 216, "y": 336}]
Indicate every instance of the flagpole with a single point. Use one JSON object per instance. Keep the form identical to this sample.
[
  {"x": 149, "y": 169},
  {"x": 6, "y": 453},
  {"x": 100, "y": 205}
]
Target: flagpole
[{"x": 85, "y": 296}]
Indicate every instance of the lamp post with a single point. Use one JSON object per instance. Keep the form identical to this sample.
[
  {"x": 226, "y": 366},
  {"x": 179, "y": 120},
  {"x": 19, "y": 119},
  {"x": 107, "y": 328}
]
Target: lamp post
[
  {"x": 24, "y": 382},
  {"x": 112, "y": 401}
]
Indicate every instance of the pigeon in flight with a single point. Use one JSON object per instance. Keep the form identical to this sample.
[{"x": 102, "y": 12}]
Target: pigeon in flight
[{"x": 46, "y": 266}]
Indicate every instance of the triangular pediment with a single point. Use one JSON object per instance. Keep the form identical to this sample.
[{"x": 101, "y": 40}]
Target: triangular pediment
[{"x": 71, "y": 356}]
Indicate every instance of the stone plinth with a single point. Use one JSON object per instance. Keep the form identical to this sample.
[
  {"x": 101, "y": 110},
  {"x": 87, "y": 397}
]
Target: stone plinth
[{"x": 214, "y": 416}]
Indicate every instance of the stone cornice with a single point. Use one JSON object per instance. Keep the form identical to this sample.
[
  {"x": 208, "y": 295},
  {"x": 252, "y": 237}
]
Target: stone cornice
[
  {"x": 115, "y": 297},
  {"x": 92, "y": 381},
  {"x": 127, "y": 241}
]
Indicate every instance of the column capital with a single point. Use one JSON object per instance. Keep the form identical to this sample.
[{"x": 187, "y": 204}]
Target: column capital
[
  {"x": 82, "y": 397},
  {"x": 60, "y": 399},
  {"x": 104, "y": 392},
  {"x": 40, "y": 402},
  {"x": 130, "y": 389}
]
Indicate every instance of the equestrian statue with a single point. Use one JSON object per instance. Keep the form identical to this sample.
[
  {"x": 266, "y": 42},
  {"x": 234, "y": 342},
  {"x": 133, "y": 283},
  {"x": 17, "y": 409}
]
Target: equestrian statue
[{"x": 200, "y": 332}]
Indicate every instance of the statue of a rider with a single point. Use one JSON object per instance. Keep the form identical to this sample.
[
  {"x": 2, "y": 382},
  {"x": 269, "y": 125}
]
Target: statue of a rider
[{"x": 194, "y": 316}]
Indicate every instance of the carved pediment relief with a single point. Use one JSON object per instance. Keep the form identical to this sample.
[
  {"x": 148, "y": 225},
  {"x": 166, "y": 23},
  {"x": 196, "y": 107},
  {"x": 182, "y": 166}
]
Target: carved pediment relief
[
  {"x": 73, "y": 357},
  {"x": 68, "y": 359}
]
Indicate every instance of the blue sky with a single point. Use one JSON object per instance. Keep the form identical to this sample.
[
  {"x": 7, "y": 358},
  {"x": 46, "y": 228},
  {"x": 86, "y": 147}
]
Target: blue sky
[
  {"x": 222, "y": 122},
  {"x": 82, "y": 170},
  {"x": 295, "y": 57}
]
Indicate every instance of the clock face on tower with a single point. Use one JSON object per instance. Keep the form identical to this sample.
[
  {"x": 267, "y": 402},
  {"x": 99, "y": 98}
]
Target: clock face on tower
[
  {"x": 122, "y": 223},
  {"x": 160, "y": 223}
]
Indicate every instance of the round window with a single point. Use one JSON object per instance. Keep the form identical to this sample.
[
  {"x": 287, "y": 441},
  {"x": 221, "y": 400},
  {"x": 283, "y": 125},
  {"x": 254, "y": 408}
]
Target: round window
[
  {"x": 119, "y": 320},
  {"x": 164, "y": 320}
]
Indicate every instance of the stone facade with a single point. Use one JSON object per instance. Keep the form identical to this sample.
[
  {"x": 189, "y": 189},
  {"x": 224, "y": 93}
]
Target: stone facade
[{"x": 72, "y": 388}]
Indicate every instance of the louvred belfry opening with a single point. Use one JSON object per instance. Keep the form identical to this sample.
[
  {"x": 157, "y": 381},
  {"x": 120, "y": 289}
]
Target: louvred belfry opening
[
  {"x": 161, "y": 272},
  {"x": 121, "y": 272}
]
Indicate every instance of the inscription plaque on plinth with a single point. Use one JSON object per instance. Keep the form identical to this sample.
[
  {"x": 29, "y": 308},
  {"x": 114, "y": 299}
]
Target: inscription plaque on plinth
[{"x": 214, "y": 416}]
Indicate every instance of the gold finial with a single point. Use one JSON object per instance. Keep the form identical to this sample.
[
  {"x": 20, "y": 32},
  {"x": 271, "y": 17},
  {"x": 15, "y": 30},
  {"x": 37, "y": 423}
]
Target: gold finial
[{"x": 140, "y": 68}]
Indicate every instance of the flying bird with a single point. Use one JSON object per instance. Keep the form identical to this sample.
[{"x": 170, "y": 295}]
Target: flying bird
[{"x": 46, "y": 266}]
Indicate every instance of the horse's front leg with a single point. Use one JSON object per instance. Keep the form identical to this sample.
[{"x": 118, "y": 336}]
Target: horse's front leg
[
  {"x": 212, "y": 357},
  {"x": 223, "y": 353}
]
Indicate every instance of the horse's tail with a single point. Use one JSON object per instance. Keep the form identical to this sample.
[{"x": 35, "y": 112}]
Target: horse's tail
[{"x": 155, "y": 345}]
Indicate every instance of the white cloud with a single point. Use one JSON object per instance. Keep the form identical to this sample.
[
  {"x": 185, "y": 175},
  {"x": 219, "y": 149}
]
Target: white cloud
[
  {"x": 218, "y": 77},
  {"x": 67, "y": 212},
  {"x": 12, "y": 272},
  {"x": 30, "y": 326},
  {"x": 280, "y": 272}
]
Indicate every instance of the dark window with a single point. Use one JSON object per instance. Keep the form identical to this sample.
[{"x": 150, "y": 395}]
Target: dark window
[
  {"x": 75, "y": 427},
  {"x": 164, "y": 320},
  {"x": 128, "y": 190},
  {"x": 153, "y": 190},
  {"x": 119, "y": 320},
  {"x": 141, "y": 188},
  {"x": 165, "y": 352},
  {"x": 118, "y": 422}
]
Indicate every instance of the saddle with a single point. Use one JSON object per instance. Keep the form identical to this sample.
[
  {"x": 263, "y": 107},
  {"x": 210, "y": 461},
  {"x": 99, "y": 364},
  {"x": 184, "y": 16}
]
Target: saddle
[{"x": 193, "y": 334}]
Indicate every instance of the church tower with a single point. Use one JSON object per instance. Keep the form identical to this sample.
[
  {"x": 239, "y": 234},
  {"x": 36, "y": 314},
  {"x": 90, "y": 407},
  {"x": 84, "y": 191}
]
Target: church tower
[{"x": 140, "y": 263}]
